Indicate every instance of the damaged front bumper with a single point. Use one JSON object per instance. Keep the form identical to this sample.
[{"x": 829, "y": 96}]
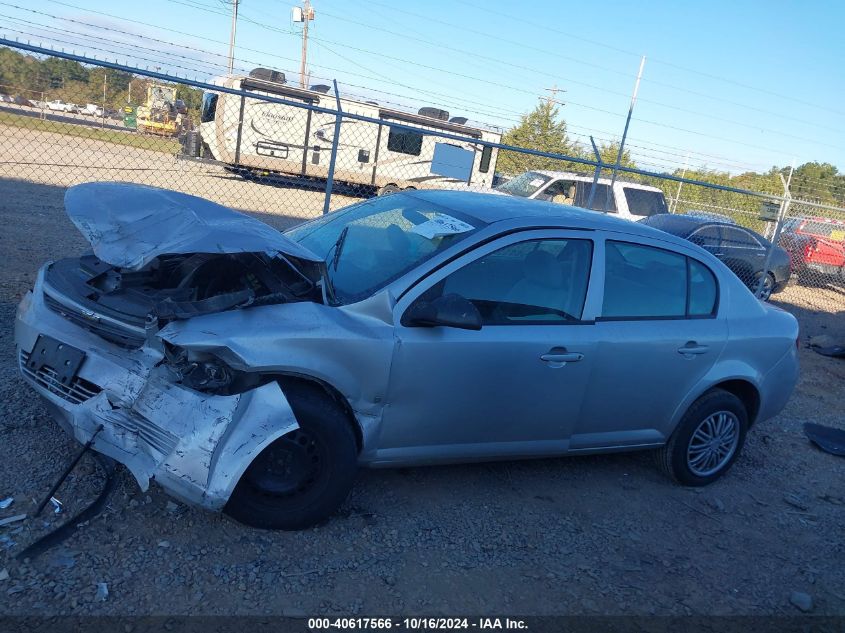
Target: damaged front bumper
[{"x": 195, "y": 445}]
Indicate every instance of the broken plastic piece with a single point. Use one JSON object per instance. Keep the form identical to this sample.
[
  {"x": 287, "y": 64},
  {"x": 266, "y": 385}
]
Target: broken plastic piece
[
  {"x": 6, "y": 502},
  {"x": 57, "y": 505},
  {"x": 827, "y": 438}
]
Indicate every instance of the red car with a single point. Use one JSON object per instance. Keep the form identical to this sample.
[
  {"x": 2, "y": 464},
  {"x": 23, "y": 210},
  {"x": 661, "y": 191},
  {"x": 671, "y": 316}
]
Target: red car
[{"x": 816, "y": 244}]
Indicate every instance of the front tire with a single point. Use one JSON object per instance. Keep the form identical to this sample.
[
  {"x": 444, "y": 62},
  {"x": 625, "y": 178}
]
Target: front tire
[
  {"x": 303, "y": 477},
  {"x": 707, "y": 441}
]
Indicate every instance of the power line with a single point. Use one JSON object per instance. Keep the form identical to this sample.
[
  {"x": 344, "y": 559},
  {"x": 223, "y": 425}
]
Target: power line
[
  {"x": 660, "y": 61},
  {"x": 537, "y": 71}
]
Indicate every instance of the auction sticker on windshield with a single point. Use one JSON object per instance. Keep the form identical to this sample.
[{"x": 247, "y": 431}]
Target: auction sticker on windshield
[{"x": 441, "y": 224}]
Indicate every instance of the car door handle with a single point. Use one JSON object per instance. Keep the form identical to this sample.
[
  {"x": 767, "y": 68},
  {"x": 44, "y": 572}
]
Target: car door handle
[
  {"x": 692, "y": 348},
  {"x": 558, "y": 357}
]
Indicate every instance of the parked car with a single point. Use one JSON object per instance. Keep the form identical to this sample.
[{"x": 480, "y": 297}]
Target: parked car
[
  {"x": 6, "y": 98},
  {"x": 58, "y": 105},
  {"x": 817, "y": 245},
  {"x": 628, "y": 200},
  {"x": 741, "y": 249},
  {"x": 253, "y": 371},
  {"x": 92, "y": 109},
  {"x": 22, "y": 101}
]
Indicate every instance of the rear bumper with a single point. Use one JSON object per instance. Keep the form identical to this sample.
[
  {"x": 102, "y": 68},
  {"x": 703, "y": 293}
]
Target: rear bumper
[{"x": 195, "y": 445}]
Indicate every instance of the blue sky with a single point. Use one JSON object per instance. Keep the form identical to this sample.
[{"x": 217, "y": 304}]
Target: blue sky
[{"x": 737, "y": 85}]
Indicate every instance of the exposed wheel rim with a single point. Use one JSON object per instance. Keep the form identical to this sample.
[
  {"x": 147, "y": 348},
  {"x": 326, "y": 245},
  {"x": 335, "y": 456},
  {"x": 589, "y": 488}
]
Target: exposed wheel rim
[
  {"x": 713, "y": 443},
  {"x": 291, "y": 468}
]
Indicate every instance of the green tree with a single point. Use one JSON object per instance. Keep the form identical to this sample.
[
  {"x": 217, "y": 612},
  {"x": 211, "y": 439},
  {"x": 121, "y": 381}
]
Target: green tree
[{"x": 543, "y": 130}]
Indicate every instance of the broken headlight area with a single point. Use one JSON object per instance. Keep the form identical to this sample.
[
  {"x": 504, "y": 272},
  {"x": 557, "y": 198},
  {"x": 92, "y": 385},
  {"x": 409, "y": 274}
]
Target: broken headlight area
[
  {"x": 203, "y": 372},
  {"x": 121, "y": 304}
]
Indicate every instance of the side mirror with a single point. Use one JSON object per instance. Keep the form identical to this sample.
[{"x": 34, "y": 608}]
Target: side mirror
[{"x": 450, "y": 310}]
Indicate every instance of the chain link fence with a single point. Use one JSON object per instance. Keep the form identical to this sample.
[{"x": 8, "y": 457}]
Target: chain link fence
[{"x": 263, "y": 146}]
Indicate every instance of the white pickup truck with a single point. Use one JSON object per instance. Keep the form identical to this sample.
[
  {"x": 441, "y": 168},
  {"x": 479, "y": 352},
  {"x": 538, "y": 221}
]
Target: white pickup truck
[
  {"x": 629, "y": 200},
  {"x": 61, "y": 106}
]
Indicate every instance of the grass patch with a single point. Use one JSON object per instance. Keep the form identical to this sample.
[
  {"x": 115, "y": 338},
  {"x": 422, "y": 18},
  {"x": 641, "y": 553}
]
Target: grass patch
[{"x": 130, "y": 138}]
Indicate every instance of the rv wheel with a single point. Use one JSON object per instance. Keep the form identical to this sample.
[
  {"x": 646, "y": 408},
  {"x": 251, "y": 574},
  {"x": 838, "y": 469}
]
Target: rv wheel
[{"x": 391, "y": 188}]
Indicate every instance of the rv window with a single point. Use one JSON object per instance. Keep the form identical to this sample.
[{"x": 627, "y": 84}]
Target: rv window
[
  {"x": 486, "y": 153},
  {"x": 209, "y": 105},
  {"x": 404, "y": 142}
]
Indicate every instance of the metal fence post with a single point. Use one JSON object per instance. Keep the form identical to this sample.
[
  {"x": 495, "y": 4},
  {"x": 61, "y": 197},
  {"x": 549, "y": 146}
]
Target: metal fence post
[
  {"x": 784, "y": 208},
  {"x": 596, "y": 174},
  {"x": 333, "y": 159}
]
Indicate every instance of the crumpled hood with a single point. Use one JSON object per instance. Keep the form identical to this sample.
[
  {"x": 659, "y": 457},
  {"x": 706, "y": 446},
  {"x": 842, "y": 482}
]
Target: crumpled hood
[{"x": 129, "y": 225}]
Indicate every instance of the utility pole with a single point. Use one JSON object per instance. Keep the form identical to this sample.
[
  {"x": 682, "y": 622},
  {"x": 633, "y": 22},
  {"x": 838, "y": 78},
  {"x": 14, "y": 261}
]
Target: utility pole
[
  {"x": 552, "y": 97},
  {"x": 303, "y": 14},
  {"x": 105, "y": 83},
  {"x": 232, "y": 37},
  {"x": 624, "y": 135}
]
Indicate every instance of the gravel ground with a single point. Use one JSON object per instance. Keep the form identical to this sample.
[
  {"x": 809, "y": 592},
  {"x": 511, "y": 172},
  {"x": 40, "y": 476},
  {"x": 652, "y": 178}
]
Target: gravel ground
[{"x": 587, "y": 535}]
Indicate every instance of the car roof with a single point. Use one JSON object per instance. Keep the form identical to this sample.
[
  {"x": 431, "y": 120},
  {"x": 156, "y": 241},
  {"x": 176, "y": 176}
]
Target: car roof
[
  {"x": 683, "y": 225},
  {"x": 531, "y": 213},
  {"x": 604, "y": 181}
]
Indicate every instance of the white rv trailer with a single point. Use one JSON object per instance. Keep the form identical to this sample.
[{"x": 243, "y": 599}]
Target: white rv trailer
[{"x": 282, "y": 139}]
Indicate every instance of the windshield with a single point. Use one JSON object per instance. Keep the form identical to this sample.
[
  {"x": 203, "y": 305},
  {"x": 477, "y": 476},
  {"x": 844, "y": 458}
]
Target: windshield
[
  {"x": 524, "y": 185},
  {"x": 386, "y": 237}
]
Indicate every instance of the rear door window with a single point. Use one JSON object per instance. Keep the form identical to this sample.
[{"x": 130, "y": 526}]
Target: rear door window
[
  {"x": 644, "y": 282},
  {"x": 737, "y": 238},
  {"x": 602, "y": 194},
  {"x": 644, "y": 203},
  {"x": 708, "y": 237}
]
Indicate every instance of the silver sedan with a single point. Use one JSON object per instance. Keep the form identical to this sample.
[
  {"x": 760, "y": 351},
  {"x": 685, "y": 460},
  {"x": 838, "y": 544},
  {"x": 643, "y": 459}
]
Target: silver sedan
[{"x": 253, "y": 372}]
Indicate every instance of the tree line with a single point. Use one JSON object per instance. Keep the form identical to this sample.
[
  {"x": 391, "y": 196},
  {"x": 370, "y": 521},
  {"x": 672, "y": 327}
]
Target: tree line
[
  {"x": 54, "y": 78},
  {"x": 543, "y": 129}
]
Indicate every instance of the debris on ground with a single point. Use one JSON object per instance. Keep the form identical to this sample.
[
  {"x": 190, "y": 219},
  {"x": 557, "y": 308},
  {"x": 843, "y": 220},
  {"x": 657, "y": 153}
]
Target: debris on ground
[
  {"x": 835, "y": 351},
  {"x": 827, "y": 438},
  {"x": 4, "y": 574},
  {"x": 822, "y": 340},
  {"x": 5, "y": 503},
  {"x": 795, "y": 501},
  {"x": 57, "y": 505},
  {"x": 102, "y": 592},
  {"x": 14, "y": 519},
  {"x": 802, "y": 601}
]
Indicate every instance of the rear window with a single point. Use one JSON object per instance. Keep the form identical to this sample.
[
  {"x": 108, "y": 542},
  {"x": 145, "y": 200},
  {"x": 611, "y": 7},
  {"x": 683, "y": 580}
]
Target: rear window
[{"x": 644, "y": 203}]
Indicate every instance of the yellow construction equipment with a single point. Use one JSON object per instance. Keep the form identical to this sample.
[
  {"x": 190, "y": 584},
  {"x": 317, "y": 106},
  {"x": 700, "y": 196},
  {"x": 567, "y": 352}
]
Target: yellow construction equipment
[{"x": 162, "y": 113}]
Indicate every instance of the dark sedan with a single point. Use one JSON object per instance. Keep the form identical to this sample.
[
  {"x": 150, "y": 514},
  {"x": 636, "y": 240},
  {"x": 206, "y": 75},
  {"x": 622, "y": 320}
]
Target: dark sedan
[{"x": 741, "y": 249}]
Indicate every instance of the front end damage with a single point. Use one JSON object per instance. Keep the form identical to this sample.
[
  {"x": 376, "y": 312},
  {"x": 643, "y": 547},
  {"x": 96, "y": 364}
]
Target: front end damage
[
  {"x": 195, "y": 444},
  {"x": 90, "y": 336}
]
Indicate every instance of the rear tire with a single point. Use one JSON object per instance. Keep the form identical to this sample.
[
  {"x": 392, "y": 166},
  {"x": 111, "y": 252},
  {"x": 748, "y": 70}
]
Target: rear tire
[
  {"x": 387, "y": 189},
  {"x": 768, "y": 285},
  {"x": 707, "y": 440},
  {"x": 303, "y": 477}
]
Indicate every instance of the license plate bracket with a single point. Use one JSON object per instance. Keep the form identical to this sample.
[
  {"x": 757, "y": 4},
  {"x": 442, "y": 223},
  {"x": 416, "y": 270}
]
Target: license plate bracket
[{"x": 62, "y": 358}]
